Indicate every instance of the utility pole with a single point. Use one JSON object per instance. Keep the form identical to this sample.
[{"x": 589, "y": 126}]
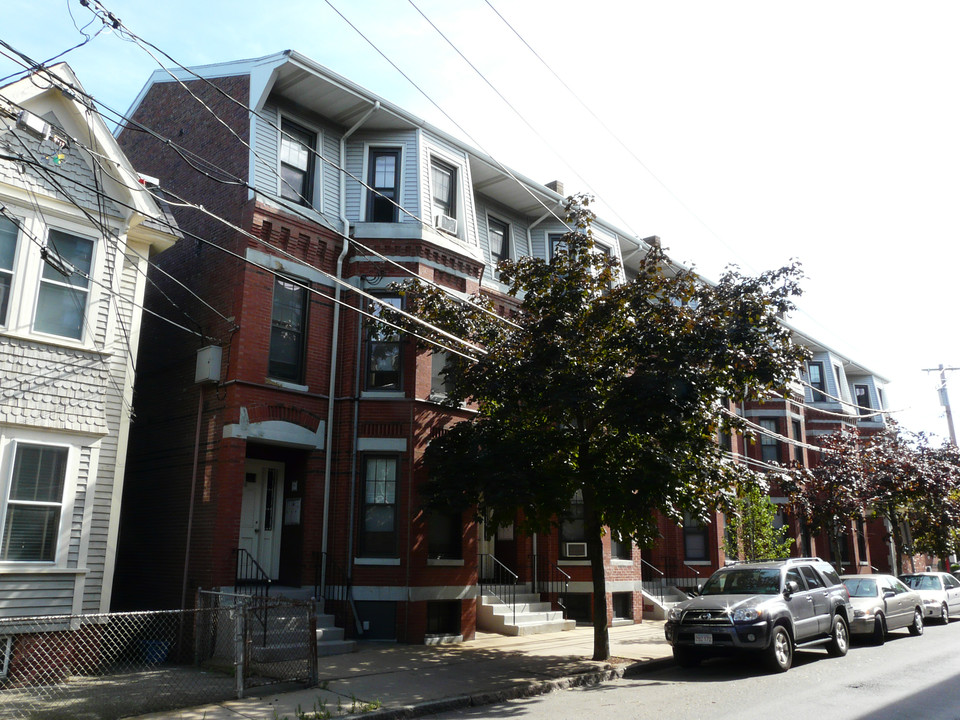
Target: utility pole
[{"x": 945, "y": 398}]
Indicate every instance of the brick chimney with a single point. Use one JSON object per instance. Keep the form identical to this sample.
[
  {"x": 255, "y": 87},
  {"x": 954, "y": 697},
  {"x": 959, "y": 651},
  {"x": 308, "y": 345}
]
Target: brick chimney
[{"x": 556, "y": 186}]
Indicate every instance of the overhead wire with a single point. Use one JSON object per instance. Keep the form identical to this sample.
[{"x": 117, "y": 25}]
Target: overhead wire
[{"x": 520, "y": 115}]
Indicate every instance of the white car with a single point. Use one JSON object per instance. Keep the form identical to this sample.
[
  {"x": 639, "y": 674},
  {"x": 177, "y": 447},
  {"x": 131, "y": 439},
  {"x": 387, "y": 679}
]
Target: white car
[{"x": 940, "y": 592}]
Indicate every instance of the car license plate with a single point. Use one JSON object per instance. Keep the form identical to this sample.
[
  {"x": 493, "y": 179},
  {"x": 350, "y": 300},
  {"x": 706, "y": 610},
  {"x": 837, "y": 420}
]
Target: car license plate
[{"x": 702, "y": 639}]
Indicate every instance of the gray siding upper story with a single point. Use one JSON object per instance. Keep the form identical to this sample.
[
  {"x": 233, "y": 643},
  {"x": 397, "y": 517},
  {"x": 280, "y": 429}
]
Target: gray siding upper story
[
  {"x": 266, "y": 160},
  {"x": 518, "y": 227}
]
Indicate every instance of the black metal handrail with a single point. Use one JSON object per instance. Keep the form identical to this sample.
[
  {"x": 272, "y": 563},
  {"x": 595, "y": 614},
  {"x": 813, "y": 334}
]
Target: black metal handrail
[
  {"x": 550, "y": 579},
  {"x": 498, "y": 580},
  {"x": 655, "y": 587},
  {"x": 333, "y": 585},
  {"x": 251, "y": 576}
]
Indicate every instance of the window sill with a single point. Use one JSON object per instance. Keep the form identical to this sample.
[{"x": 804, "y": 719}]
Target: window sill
[
  {"x": 444, "y": 562},
  {"x": 376, "y": 561},
  {"x": 697, "y": 562},
  {"x": 287, "y": 385},
  {"x": 8, "y": 568},
  {"x": 382, "y": 394},
  {"x": 621, "y": 562},
  {"x": 56, "y": 341},
  {"x": 574, "y": 563}
]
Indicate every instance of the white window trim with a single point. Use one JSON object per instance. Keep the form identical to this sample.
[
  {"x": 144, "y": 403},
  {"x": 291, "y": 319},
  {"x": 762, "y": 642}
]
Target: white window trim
[
  {"x": 316, "y": 199},
  {"x": 16, "y": 272},
  {"x": 9, "y": 441},
  {"x": 28, "y": 271},
  {"x": 364, "y": 192}
]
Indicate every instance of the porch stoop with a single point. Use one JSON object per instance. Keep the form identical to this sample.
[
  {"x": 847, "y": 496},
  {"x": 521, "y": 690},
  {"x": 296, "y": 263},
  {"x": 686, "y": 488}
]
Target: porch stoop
[
  {"x": 280, "y": 628},
  {"x": 532, "y": 616}
]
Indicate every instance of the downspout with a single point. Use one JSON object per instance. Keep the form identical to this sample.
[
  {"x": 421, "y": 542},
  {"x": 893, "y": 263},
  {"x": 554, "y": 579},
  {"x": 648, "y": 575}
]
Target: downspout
[{"x": 334, "y": 340}]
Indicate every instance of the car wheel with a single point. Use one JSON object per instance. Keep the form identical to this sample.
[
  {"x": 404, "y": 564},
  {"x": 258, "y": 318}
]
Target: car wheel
[
  {"x": 944, "y": 614},
  {"x": 779, "y": 655},
  {"x": 916, "y": 627},
  {"x": 879, "y": 630},
  {"x": 839, "y": 638},
  {"x": 685, "y": 657}
]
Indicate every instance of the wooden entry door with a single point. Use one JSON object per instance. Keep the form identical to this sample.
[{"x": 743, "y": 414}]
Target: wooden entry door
[{"x": 260, "y": 513}]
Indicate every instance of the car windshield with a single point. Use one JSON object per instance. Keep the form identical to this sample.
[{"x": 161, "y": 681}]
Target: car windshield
[
  {"x": 861, "y": 588},
  {"x": 744, "y": 581},
  {"x": 922, "y": 582}
]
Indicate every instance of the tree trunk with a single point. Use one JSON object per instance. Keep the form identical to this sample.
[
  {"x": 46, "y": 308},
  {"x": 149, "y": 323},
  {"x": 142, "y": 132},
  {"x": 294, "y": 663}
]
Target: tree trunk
[
  {"x": 897, "y": 532},
  {"x": 593, "y": 531}
]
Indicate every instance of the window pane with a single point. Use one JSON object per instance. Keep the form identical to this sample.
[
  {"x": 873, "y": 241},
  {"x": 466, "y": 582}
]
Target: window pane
[
  {"x": 31, "y": 533},
  {"x": 384, "y": 171},
  {"x": 38, "y": 474},
  {"x": 8, "y": 243},
  {"x": 443, "y": 184},
  {"x": 286, "y": 333},
  {"x": 75, "y": 250},
  {"x": 499, "y": 240},
  {"x": 378, "y": 518},
  {"x": 60, "y": 310},
  {"x": 296, "y": 162}
]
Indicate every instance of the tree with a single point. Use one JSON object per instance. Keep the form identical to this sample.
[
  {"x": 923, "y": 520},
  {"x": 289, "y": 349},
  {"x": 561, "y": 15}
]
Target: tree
[
  {"x": 831, "y": 494},
  {"x": 612, "y": 389},
  {"x": 935, "y": 511},
  {"x": 751, "y": 532},
  {"x": 894, "y": 476}
]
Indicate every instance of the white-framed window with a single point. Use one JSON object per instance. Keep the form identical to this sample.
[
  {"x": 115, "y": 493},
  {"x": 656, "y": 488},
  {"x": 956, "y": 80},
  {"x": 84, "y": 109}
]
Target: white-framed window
[
  {"x": 298, "y": 146},
  {"x": 48, "y": 269},
  {"x": 39, "y": 479},
  {"x": 288, "y": 327},
  {"x": 498, "y": 237},
  {"x": 443, "y": 188},
  {"x": 63, "y": 297},
  {"x": 384, "y": 172}
]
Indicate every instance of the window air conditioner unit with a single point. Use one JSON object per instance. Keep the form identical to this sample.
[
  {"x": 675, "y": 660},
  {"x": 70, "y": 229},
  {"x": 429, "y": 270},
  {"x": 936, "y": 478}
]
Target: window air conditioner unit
[
  {"x": 447, "y": 224},
  {"x": 576, "y": 550}
]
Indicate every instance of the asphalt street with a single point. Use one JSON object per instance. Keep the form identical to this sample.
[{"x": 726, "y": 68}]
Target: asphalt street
[{"x": 909, "y": 677}]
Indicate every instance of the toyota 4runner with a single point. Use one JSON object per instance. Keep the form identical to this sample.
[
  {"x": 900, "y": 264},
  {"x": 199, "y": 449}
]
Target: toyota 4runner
[{"x": 770, "y": 608}]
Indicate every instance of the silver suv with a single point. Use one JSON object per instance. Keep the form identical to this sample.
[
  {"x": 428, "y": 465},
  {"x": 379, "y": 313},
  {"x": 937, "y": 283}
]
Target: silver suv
[{"x": 770, "y": 608}]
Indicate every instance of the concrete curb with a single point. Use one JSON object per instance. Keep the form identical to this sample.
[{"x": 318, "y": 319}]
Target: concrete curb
[{"x": 524, "y": 690}]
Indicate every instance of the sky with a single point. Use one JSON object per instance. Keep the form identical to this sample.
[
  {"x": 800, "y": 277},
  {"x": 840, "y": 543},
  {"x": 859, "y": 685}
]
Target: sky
[{"x": 746, "y": 133}]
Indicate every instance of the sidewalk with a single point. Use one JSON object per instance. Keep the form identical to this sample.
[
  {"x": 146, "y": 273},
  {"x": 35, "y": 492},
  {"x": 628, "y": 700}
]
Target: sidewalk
[{"x": 398, "y": 681}]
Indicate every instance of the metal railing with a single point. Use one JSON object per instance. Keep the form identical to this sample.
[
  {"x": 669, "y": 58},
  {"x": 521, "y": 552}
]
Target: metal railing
[
  {"x": 682, "y": 576},
  {"x": 498, "y": 580},
  {"x": 253, "y": 581},
  {"x": 333, "y": 586},
  {"x": 655, "y": 587},
  {"x": 551, "y": 580}
]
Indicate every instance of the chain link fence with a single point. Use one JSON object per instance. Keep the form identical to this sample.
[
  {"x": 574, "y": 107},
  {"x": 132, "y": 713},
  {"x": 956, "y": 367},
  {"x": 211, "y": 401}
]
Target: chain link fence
[{"x": 114, "y": 665}]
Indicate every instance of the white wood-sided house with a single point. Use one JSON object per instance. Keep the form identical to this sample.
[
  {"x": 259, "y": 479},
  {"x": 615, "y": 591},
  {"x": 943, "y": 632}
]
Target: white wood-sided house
[{"x": 76, "y": 232}]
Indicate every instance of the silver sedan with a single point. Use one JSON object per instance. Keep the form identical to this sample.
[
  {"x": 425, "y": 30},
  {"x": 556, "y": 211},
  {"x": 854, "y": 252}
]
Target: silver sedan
[
  {"x": 882, "y": 603},
  {"x": 940, "y": 592}
]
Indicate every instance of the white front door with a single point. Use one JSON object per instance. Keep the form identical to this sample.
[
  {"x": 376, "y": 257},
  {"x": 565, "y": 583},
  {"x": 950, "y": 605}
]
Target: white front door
[{"x": 260, "y": 513}]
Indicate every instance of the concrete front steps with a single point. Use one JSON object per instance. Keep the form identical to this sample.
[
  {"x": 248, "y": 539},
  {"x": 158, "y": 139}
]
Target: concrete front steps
[
  {"x": 532, "y": 616},
  {"x": 284, "y": 636}
]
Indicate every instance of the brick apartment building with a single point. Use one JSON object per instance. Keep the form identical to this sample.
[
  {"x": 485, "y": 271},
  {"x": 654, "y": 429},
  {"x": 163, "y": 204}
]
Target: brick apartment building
[{"x": 297, "y": 438}]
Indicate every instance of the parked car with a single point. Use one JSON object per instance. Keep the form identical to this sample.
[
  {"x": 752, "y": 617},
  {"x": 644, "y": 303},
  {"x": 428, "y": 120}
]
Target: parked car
[
  {"x": 882, "y": 603},
  {"x": 940, "y": 592},
  {"x": 770, "y": 608}
]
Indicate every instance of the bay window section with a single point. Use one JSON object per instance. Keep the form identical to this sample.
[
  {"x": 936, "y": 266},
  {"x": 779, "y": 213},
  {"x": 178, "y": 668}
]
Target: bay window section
[
  {"x": 32, "y": 516},
  {"x": 64, "y": 285}
]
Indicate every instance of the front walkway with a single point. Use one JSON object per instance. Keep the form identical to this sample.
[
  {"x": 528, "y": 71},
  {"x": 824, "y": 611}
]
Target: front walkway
[{"x": 392, "y": 680}]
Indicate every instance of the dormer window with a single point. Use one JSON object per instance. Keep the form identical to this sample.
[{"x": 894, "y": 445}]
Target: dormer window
[
  {"x": 499, "y": 237},
  {"x": 297, "y": 146},
  {"x": 443, "y": 191},
  {"x": 384, "y": 181}
]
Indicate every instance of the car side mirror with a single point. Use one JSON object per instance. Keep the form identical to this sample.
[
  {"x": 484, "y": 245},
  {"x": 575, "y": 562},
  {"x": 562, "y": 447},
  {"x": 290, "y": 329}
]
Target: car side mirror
[
  {"x": 791, "y": 587},
  {"x": 888, "y": 594}
]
